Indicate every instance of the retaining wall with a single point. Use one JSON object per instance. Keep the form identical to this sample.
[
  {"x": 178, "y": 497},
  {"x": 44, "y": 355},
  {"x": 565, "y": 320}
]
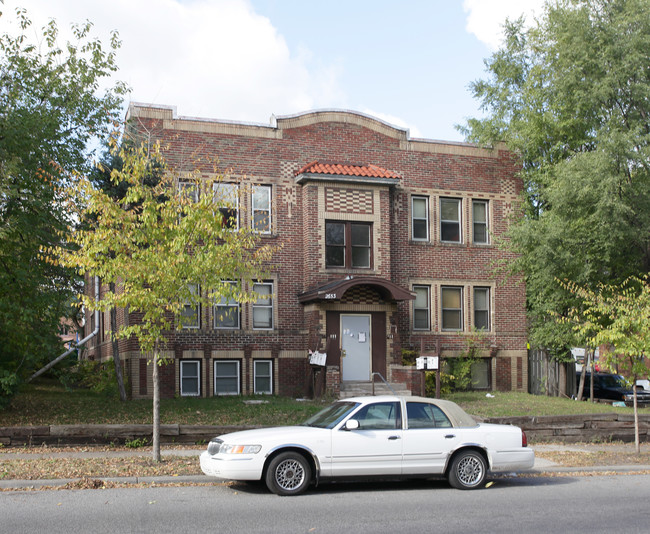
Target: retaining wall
[
  {"x": 584, "y": 428},
  {"x": 565, "y": 428}
]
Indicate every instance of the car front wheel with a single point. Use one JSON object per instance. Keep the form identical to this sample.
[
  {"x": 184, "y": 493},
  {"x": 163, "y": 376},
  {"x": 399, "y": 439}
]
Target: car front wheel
[
  {"x": 467, "y": 471},
  {"x": 288, "y": 473}
]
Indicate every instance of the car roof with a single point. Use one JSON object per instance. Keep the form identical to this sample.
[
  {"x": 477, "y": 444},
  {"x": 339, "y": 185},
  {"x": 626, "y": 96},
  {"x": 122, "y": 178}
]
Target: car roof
[{"x": 459, "y": 417}]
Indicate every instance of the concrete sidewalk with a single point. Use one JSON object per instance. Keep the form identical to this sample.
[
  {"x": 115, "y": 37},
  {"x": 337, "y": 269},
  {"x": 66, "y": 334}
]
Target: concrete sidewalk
[{"x": 541, "y": 466}]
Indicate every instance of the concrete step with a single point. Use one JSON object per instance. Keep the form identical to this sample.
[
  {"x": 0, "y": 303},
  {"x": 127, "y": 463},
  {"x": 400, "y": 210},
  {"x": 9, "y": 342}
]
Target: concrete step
[{"x": 359, "y": 389}]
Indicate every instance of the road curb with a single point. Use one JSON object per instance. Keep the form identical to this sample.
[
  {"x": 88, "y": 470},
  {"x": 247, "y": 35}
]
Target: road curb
[
  {"x": 54, "y": 483},
  {"x": 202, "y": 479}
]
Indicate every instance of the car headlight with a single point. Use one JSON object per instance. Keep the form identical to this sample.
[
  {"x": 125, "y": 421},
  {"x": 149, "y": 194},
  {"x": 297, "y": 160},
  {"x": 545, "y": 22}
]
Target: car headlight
[
  {"x": 239, "y": 449},
  {"x": 214, "y": 446},
  {"x": 628, "y": 397}
]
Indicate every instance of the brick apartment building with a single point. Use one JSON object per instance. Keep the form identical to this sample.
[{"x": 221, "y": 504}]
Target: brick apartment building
[{"x": 388, "y": 243}]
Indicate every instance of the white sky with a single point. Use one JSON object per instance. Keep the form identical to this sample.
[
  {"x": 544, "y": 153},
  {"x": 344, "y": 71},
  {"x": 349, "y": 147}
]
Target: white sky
[{"x": 408, "y": 63}]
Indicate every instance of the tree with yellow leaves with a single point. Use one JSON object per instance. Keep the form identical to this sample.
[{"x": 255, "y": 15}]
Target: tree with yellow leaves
[
  {"x": 165, "y": 244},
  {"x": 617, "y": 317}
]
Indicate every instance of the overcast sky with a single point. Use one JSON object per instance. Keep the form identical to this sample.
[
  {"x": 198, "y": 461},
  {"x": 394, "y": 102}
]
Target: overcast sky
[{"x": 407, "y": 62}]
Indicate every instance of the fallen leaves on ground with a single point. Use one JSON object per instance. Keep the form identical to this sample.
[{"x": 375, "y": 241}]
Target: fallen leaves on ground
[
  {"x": 106, "y": 467},
  {"x": 590, "y": 459}
]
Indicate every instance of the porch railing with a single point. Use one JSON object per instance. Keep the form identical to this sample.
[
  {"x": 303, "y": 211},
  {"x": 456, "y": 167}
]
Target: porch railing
[{"x": 372, "y": 380}]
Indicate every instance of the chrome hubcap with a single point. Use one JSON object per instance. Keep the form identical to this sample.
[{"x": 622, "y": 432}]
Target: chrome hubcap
[
  {"x": 289, "y": 474},
  {"x": 470, "y": 471}
]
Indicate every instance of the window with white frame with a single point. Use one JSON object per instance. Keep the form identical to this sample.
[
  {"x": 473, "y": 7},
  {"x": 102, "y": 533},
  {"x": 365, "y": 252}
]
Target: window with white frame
[
  {"x": 452, "y": 308},
  {"x": 227, "y": 312},
  {"x": 482, "y": 308},
  {"x": 190, "y": 190},
  {"x": 190, "y": 378},
  {"x": 226, "y": 377},
  {"x": 227, "y": 198},
  {"x": 450, "y": 220},
  {"x": 190, "y": 312},
  {"x": 263, "y": 377},
  {"x": 261, "y": 204},
  {"x": 480, "y": 222},
  {"x": 421, "y": 308},
  {"x": 263, "y": 306},
  {"x": 420, "y": 218}
]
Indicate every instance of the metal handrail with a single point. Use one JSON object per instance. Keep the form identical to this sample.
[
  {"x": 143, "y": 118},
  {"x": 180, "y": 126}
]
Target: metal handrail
[{"x": 372, "y": 377}]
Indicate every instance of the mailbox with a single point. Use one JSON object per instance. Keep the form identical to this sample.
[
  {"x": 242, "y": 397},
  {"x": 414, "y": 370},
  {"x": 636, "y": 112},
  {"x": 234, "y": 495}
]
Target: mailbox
[
  {"x": 317, "y": 358},
  {"x": 427, "y": 363}
]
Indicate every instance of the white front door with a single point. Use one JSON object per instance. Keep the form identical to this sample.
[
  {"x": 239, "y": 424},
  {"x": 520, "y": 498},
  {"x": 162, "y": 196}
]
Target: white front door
[{"x": 356, "y": 350}]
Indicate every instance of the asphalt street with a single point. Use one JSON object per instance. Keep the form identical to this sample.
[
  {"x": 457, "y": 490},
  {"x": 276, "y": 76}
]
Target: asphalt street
[{"x": 512, "y": 505}]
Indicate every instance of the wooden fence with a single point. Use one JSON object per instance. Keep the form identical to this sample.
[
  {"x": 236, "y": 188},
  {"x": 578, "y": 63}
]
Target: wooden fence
[{"x": 550, "y": 377}]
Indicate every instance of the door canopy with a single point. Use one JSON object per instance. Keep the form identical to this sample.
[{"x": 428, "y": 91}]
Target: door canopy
[{"x": 336, "y": 289}]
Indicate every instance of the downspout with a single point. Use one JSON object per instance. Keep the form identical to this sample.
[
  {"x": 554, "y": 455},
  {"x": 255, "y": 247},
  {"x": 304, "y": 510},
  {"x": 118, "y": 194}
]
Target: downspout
[{"x": 76, "y": 345}]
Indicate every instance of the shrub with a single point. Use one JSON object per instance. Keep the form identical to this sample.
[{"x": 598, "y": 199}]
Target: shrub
[
  {"x": 456, "y": 373},
  {"x": 98, "y": 377},
  {"x": 409, "y": 356}
]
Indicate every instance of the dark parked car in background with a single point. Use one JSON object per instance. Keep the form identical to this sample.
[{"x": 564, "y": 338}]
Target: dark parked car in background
[{"x": 612, "y": 387}]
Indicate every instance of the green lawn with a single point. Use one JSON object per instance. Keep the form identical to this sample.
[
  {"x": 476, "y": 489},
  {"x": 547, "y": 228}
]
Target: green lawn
[{"x": 46, "y": 403}]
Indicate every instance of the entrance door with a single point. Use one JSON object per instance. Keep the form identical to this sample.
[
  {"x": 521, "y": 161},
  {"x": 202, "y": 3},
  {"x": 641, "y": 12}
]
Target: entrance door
[{"x": 355, "y": 347}]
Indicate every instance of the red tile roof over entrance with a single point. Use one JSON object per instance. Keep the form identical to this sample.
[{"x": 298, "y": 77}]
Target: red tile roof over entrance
[{"x": 370, "y": 171}]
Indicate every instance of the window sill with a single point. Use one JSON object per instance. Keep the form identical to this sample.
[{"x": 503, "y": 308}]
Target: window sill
[{"x": 349, "y": 270}]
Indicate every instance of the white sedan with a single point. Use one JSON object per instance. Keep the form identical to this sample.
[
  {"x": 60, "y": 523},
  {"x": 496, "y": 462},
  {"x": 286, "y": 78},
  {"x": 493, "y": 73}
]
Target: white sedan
[{"x": 371, "y": 436}]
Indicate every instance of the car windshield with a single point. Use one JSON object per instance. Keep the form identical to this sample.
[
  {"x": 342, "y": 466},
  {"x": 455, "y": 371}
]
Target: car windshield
[{"x": 331, "y": 416}]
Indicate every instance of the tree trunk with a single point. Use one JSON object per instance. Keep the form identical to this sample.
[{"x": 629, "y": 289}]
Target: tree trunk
[
  {"x": 116, "y": 350},
  {"x": 156, "y": 406},
  {"x": 581, "y": 387},
  {"x": 637, "y": 446},
  {"x": 592, "y": 368}
]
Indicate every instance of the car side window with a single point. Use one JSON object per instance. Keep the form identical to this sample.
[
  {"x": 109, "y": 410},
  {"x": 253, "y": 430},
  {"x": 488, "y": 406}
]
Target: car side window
[
  {"x": 379, "y": 416},
  {"x": 425, "y": 415}
]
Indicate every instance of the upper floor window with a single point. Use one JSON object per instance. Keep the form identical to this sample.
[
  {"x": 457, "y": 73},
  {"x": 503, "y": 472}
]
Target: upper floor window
[
  {"x": 450, "y": 220},
  {"x": 482, "y": 308},
  {"x": 480, "y": 221},
  {"x": 420, "y": 218},
  {"x": 348, "y": 245},
  {"x": 227, "y": 313},
  {"x": 263, "y": 306},
  {"x": 452, "y": 308},
  {"x": 261, "y": 203},
  {"x": 227, "y": 196},
  {"x": 190, "y": 312},
  {"x": 421, "y": 308},
  {"x": 190, "y": 190}
]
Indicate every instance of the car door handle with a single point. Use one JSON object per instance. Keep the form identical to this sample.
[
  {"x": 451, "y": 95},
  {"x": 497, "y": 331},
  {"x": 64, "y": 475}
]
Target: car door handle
[
  {"x": 392, "y": 438},
  {"x": 450, "y": 436}
]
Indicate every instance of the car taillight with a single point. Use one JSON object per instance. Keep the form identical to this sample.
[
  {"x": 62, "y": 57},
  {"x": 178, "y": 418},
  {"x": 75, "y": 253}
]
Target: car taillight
[{"x": 524, "y": 439}]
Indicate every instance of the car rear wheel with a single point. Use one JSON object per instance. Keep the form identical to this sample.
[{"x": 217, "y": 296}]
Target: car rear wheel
[
  {"x": 289, "y": 473},
  {"x": 467, "y": 471}
]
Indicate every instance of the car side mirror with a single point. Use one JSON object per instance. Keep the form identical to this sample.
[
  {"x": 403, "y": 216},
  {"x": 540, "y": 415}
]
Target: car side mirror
[{"x": 351, "y": 424}]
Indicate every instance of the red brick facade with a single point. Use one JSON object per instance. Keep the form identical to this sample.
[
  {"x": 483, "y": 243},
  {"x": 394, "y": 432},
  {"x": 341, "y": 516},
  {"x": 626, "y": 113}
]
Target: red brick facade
[{"x": 420, "y": 219}]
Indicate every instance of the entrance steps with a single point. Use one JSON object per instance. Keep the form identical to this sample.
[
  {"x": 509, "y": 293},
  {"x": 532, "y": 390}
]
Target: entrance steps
[{"x": 360, "y": 389}]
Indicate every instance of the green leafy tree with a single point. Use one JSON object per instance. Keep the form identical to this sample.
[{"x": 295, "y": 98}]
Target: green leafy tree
[
  {"x": 102, "y": 177},
  {"x": 570, "y": 97},
  {"x": 156, "y": 246},
  {"x": 50, "y": 109},
  {"x": 617, "y": 317}
]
